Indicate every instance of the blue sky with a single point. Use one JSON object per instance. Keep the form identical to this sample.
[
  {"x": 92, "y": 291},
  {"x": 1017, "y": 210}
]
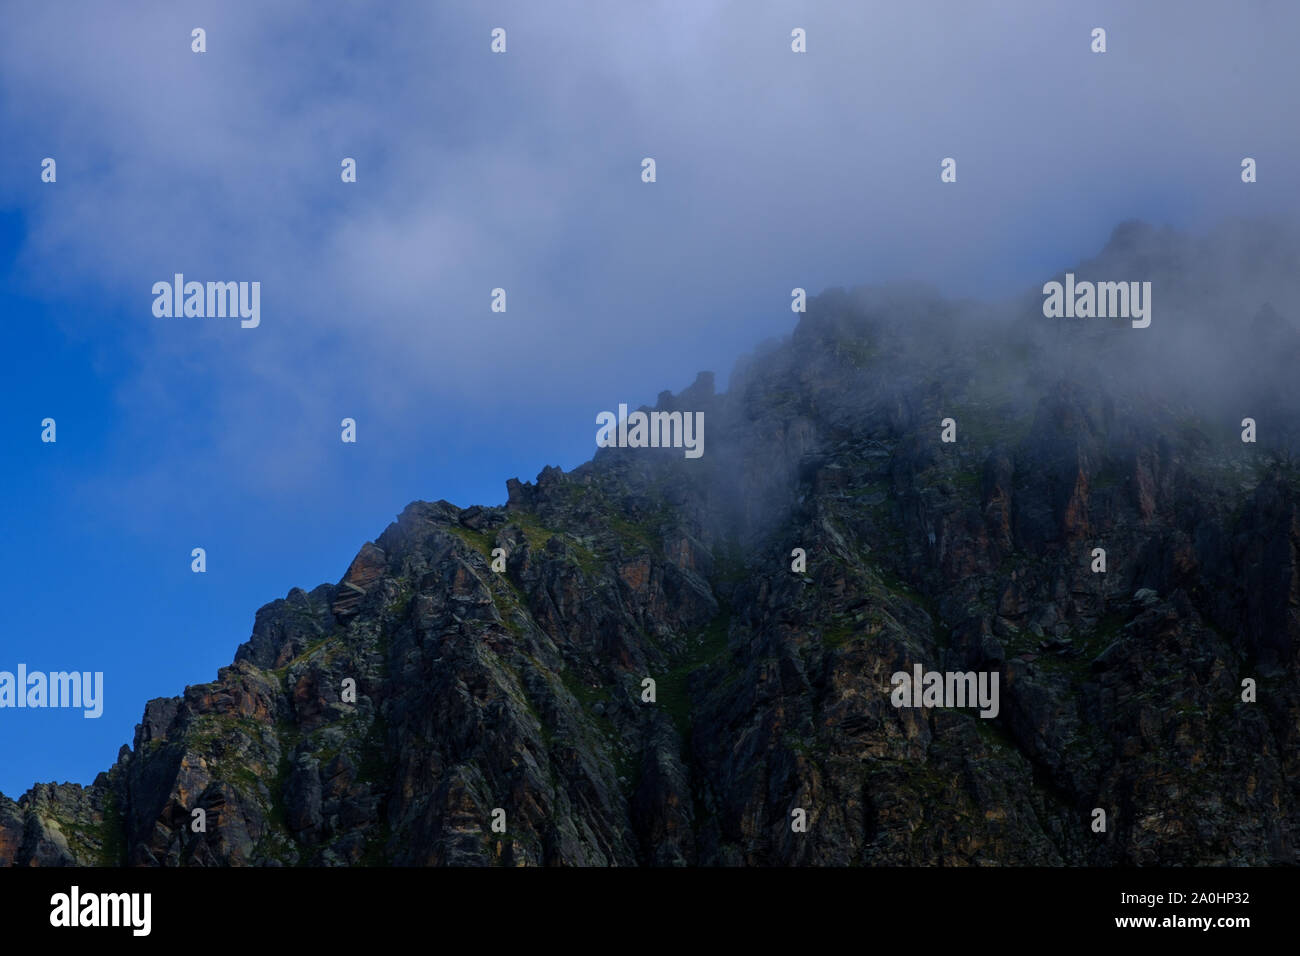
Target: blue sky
[{"x": 521, "y": 171}]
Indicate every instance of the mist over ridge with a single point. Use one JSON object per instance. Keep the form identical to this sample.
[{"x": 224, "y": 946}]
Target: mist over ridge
[{"x": 830, "y": 536}]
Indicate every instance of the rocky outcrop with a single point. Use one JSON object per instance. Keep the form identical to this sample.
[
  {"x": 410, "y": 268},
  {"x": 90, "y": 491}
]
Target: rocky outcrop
[{"x": 626, "y": 664}]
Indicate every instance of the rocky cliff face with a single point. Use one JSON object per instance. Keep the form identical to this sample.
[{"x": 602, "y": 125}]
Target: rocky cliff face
[{"x": 522, "y": 689}]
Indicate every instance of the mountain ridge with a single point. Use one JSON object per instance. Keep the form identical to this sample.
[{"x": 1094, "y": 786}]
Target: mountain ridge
[{"x": 521, "y": 690}]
